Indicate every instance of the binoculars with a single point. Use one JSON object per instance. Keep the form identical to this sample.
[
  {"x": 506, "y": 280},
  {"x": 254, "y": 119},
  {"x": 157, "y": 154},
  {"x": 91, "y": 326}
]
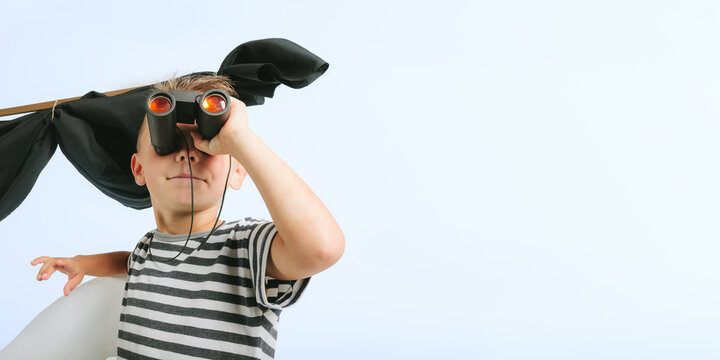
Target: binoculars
[{"x": 165, "y": 109}]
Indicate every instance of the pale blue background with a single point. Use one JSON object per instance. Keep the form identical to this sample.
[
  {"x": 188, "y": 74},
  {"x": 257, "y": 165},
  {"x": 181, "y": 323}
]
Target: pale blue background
[{"x": 515, "y": 179}]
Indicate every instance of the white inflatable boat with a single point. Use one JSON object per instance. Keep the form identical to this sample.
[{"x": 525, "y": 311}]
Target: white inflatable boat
[{"x": 89, "y": 319}]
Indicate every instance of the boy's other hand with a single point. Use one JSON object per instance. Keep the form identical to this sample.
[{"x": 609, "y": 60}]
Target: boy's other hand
[
  {"x": 236, "y": 124},
  {"x": 68, "y": 266}
]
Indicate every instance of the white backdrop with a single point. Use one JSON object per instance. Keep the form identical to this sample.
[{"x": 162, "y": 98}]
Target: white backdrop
[{"x": 515, "y": 179}]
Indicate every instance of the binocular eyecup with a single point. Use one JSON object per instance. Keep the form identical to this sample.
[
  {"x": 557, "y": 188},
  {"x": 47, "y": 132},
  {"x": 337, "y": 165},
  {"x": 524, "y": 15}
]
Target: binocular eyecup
[{"x": 165, "y": 109}]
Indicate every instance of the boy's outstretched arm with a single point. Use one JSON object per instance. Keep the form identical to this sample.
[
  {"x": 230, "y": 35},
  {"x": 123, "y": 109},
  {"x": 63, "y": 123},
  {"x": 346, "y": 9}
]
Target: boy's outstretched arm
[
  {"x": 107, "y": 264},
  {"x": 308, "y": 238}
]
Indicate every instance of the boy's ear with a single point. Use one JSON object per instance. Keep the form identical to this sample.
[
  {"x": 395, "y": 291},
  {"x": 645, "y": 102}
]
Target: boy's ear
[
  {"x": 137, "y": 170},
  {"x": 238, "y": 175}
]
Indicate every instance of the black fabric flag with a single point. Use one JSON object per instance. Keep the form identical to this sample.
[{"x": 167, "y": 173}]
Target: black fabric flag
[{"x": 97, "y": 133}]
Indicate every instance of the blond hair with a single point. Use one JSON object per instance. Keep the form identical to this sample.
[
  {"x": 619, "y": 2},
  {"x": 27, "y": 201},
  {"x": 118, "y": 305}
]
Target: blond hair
[
  {"x": 197, "y": 82},
  {"x": 192, "y": 82}
]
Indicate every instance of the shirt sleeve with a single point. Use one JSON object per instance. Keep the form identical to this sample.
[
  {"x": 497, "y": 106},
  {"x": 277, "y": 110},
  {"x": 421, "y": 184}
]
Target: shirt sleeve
[
  {"x": 135, "y": 251},
  {"x": 280, "y": 293}
]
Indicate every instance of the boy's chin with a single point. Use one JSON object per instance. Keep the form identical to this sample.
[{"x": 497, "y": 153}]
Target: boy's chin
[
  {"x": 186, "y": 204},
  {"x": 180, "y": 200},
  {"x": 183, "y": 202}
]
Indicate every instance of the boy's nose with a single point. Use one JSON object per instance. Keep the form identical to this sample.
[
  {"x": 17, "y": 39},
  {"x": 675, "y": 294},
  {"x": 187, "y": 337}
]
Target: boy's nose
[{"x": 182, "y": 153}]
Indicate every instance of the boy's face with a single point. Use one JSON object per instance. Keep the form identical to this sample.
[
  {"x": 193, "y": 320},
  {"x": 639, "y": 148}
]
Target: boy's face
[{"x": 167, "y": 176}]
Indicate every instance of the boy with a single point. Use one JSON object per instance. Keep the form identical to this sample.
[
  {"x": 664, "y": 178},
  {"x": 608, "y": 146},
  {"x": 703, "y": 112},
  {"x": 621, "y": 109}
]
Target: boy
[{"x": 219, "y": 297}]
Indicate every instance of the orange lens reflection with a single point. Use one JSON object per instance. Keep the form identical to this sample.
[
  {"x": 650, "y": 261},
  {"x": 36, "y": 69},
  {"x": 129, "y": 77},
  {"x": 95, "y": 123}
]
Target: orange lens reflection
[
  {"x": 214, "y": 103},
  {"x": 160, "y": 104}
]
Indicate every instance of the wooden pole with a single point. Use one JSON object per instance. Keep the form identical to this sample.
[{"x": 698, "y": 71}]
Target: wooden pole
[{"x": 49, "y": 104}]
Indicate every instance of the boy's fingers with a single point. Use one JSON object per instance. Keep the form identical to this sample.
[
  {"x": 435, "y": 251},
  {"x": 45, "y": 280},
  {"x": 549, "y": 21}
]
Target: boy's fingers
[
  {"x": 236, "y": 102},
  {"x": 41, "y": 271},
  {"x": 44, "y": 275},
  {"x": 46, "y": 270},
  {"x": 38, "y": 260},
  {"x": 200, "y": 143},
  {"x": 194, "y": 138},
  {"x": 72, "y": 284},
  {"x": 197, "y": 138}
]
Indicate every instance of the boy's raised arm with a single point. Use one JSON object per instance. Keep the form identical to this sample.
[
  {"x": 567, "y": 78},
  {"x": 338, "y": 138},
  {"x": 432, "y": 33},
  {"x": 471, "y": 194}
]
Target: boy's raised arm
[
  {"x": 308, "y": 238},
  {"x": 311, "y": 239}
]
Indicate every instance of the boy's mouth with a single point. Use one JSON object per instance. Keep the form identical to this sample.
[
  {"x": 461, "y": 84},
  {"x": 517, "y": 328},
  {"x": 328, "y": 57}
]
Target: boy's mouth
[{"x": 184, "y": 176}]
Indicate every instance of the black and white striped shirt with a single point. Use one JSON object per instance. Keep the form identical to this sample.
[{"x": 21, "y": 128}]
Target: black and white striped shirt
[{"x": 215, "y": 303}]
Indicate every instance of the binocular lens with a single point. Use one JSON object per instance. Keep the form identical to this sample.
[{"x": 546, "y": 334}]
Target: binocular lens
[
  {"x": 160, "y": 104},
  {"x": 214, "y": 103}
]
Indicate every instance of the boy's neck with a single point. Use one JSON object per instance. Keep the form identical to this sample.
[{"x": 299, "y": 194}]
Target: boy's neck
[{"x": 179, "y": 223}]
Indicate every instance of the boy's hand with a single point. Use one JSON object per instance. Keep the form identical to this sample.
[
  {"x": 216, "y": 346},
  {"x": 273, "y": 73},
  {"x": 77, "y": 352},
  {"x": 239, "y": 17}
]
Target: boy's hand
[
  {"x": 69, "y": 266},
  {"x": 236, "y": 124}
]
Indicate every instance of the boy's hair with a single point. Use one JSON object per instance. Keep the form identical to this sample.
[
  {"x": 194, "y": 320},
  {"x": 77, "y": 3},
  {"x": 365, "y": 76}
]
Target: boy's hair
[{"x": 194, "y": 82}]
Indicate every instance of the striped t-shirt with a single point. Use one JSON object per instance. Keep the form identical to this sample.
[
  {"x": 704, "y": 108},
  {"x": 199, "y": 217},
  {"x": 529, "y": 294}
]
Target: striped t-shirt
[{"x": 214, "y": 303}]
